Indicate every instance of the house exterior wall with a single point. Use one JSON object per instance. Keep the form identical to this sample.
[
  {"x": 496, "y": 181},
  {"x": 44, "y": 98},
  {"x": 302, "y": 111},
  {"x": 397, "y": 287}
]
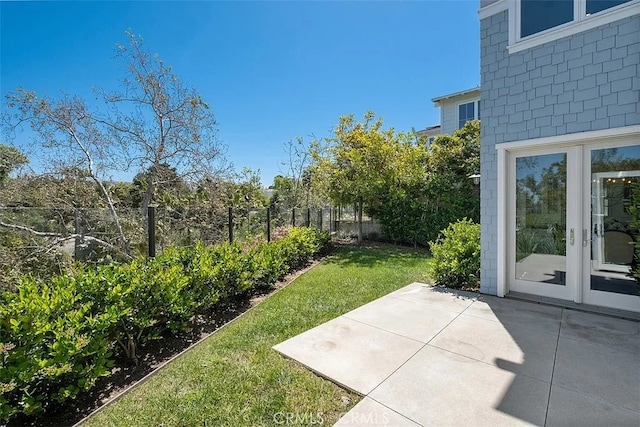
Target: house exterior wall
[
  {"x": 585, "y": 82},
  {"x": 449, "y": 111}
]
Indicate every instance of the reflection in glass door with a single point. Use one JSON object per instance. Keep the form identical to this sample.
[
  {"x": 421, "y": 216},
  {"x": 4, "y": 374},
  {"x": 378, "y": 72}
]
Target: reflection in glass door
[
  {"x": 540, "y": 264},
  {"x": 615, "y": 187}
]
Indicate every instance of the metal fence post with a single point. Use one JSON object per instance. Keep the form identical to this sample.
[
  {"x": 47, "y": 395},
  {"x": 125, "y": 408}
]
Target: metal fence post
[
  {"x": 78, "y": 231},
  {"x": 151, "y": 231},
  {"x": 230, "y": 225},
  {"x": 293, "y": 217},
  {"x": 308, "y": 217},
  {"x": 268, "y": 225}
]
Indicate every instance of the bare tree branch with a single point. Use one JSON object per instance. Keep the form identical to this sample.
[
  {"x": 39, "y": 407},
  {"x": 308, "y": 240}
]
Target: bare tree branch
[{"x": 61, "y": 238}]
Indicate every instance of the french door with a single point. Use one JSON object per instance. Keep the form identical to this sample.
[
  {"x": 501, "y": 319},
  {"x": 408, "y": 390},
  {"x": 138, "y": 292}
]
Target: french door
[
  {"x": 609, "y": 221},
  {"x": 572, "y": 230}
]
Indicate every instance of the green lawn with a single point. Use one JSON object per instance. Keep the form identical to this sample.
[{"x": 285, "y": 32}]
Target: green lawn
[{"x": 235, "y": 378}]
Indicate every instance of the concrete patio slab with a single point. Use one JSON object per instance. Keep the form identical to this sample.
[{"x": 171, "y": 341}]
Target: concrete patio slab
[
  {"x": 507, "y": 347},
  {"x": 437, "y": 387},
  {"x": 368, "y": 412},
  {"x": 540, "y": 317},
  {"x": 600, "y": 371},
  {"x": 443, "y": 299},
  {"x": 402, "y": 317},
  {"x": 568, "y": 408},
  {"x": 350, "y": 353},
  {"x": 597, "y": 329},
  {"x": 428, "y": 356}
]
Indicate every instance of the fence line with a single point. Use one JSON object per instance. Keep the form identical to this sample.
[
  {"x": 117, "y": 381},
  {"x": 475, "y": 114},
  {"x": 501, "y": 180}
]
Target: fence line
[{"x": 166, "y": 226}]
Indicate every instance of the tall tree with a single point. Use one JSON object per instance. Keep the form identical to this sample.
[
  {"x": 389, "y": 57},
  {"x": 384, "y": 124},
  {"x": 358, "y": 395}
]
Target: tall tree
[
  {"x": 72, "y": 138},
  {"x": 157, "y": 120},
  {"x": 154, "y": 123},
  {"x": 354, "y": 161}
]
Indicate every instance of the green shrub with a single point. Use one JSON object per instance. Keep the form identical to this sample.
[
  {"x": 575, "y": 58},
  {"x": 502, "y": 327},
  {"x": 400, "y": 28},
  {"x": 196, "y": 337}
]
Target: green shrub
[
  {"x": 57, "y": 337},
  {"x": 301, "y": 244},
  {"x": 198, "y": 265},
  {"x": 268, "y": 264},
  {"x": 150, "y": 297},
  {"x": 456, "y": 255},
  {"x": 53, "y": 345}
]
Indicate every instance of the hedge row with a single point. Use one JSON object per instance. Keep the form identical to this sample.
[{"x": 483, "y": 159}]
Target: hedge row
[{"x": 58, "y": 338}]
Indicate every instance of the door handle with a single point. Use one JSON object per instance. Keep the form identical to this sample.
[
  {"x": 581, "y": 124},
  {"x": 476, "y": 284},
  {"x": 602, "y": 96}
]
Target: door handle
[
  {"x": 572, "y": 237},
  {"x": 585, "y": 240}
]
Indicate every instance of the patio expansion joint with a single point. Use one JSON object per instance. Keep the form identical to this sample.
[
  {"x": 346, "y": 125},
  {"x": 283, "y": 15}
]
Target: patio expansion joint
[
  {"x": 553, "y": 367},
  {"x": 428, "y": 305},
  {"x": 380, "y": 329},
  {"x": 514, "y": 324},
  {"x": 557, "y": 336},
  {"x": 393, "y": 410},
  {"x": 414, "y": 354},
  {"x": 590, "y": 396},
  {"x": 485, "y": 363}
]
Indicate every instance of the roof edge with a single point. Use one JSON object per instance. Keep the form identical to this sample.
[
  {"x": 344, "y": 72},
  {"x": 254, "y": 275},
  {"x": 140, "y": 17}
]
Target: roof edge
[{"x": 452, "y": 95}]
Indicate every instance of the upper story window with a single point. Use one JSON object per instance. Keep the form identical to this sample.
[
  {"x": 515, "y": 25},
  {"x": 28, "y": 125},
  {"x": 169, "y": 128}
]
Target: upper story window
[
  {"x": 468, "y": 111},
  {"x": 540, "y": 15},
  {"x": 535, "y": 22},
  {"x": 595, "y": 6}
]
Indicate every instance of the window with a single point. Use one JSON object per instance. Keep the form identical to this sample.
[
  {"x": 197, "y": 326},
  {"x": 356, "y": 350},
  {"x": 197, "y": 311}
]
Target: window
[
  {"x": 467, "y": 112},
  {"x": 540, "y": 15},
  {"x": 535, "y": 22},
  {"x": 595, "y": 6}
]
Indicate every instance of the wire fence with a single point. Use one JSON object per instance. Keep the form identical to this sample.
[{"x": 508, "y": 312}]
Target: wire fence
[{"x": 94, "y": 234}]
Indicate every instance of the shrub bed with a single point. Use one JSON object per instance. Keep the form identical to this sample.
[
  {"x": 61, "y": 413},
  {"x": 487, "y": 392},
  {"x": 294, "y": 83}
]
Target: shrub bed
[{"x": 57, "y": 338}]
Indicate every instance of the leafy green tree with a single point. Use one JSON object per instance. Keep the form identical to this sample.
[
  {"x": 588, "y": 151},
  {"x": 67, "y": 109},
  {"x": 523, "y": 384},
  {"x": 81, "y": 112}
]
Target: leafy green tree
[
  {"x": 10, "y": 159},
  {"x": 354, "y": 163},
  {"x": 430, "y": 187},
  {"x": 452, "y": 159}
]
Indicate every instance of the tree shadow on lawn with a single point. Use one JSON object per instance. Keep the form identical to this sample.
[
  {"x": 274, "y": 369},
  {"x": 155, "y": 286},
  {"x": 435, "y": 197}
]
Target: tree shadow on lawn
[{"x": 373, "y": 254}]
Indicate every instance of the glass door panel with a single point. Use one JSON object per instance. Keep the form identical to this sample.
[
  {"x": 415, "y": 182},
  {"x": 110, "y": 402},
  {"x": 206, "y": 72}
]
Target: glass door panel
[
  {"x": 541, "y": 219},
  {"x": 615, "y": 180}
]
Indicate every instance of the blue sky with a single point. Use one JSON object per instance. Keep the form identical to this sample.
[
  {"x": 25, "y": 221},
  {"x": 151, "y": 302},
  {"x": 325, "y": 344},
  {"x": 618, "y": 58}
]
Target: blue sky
[{"x": 271, "y": 71}]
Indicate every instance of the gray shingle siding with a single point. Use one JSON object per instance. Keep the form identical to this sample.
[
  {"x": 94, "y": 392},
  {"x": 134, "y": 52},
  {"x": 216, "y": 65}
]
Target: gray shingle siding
[{"x": 586, "y": 82}]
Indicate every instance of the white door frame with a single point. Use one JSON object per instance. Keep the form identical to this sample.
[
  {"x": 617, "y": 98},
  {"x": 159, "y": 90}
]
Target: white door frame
[
  {"x": 568, "y": 290},
  {"x": 506, "y": 152},
  {"x": 594, "y": 297}
]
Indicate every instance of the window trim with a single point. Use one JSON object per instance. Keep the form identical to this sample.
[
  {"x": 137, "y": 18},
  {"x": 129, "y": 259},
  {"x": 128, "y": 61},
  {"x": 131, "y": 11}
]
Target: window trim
[
  {"x": 580, "y": 23},
  {"x": 476, "y": 110}
]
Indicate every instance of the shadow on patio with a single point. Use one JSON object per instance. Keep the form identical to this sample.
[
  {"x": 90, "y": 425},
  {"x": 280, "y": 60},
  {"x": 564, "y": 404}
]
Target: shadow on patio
[{"x": 432, "y": 356}]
